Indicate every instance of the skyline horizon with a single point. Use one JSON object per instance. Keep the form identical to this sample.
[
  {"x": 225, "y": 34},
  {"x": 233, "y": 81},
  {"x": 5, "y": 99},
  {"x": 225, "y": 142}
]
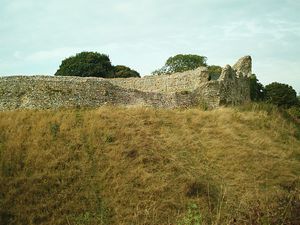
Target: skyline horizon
[
  {"x": 150, "y": 73},
  {"x": 142, "y": 34}
]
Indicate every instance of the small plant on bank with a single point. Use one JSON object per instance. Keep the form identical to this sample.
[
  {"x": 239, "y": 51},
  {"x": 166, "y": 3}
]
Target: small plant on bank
[
  {"x": 192, "y": 216},
  {"x": 54, "y": 127}
]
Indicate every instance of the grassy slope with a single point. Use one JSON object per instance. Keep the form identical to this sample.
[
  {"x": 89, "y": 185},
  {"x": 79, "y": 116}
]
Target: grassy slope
[{"x": 147, "y": 166}]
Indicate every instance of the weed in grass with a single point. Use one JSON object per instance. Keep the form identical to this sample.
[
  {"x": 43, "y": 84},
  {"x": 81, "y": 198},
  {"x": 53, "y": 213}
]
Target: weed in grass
[
  {"x": 109, "y": 138},
  {"x": 54, "y": 128},
  {"x": 192, "y": 216}
]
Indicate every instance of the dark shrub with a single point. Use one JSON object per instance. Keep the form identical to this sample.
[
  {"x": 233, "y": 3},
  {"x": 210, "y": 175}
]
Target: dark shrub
[
  {"x": 86, "y": 64},
  {"x": 281, "y": 95}
]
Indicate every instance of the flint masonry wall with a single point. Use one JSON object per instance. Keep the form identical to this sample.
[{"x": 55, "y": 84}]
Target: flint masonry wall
[
  {"x": 177, "y": 82},
  {"x": 187, "y": 89},
  {"x": 42, "y": 92}
]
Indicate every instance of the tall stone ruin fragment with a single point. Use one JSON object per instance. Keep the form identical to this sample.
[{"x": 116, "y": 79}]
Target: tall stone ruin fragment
[{"x": 243, "y": 66}]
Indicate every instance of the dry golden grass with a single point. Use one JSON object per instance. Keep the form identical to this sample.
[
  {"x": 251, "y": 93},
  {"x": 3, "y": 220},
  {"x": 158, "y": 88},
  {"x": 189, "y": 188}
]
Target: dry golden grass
[{"x": 147, "y": 166}]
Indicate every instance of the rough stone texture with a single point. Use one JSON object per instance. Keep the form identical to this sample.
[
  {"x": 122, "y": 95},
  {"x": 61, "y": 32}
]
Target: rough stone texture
[
  {"x": 243, "y": 66},
  {"x": 185, "y": 81},
  {"x": 234, "y": 89},
  {"x": 187, "y": 89}
]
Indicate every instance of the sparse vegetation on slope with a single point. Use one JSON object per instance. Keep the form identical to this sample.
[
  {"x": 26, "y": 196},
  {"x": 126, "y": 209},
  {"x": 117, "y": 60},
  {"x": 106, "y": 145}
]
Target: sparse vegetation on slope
[{"x": 148, "y": 166}]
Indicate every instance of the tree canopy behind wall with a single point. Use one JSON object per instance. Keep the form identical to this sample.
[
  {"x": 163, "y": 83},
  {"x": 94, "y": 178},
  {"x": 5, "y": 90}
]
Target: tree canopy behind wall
[
  {"x": 93, "y": 64},
  {"x": 180, "y": 63},
  {"x": 281, "y": 95}
]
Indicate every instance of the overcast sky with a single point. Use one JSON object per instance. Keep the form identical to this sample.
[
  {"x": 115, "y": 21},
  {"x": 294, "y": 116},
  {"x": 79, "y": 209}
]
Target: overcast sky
[{"x": 35, "y": 35}]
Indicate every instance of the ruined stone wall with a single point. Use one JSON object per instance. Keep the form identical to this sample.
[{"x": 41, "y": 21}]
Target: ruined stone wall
[
  {"x": 187, "y": 89},
  {"x": 43, "y": 92},
  {"x": 177, "y": 82}
]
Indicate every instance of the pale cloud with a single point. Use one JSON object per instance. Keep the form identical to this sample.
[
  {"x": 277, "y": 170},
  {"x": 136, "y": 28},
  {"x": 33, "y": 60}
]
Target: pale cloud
[
  {"x": 51, "y": 54},
  {"x": 124, "y": 7},
  {"x": 238, "y": 30},
  {"x": 275, "y": 29},
  {"x": 18, "y": 55},
  {"x": 278, "y": 70}
]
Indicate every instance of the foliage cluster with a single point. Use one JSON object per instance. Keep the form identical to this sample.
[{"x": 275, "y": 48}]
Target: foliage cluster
[
  {"x": 121, "y": 71},
  {"x": 181, "y": 63},
  {"x": 281, "y": 95},
  {"x": 257, "y": 90},
  {"x": 184, "y": 62},
  {"x": 93, "y": 64}
]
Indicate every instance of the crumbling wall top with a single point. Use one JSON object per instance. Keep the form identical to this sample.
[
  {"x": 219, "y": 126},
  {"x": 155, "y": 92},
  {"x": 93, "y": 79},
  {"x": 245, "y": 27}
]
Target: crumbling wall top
[{"x": 243, "y": 66}]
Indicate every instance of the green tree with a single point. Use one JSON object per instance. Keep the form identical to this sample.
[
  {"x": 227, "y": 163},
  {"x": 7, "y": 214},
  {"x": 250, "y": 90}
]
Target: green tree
[
  {"x": 281, "y": 95},
  {"x": 214, "y": 72},
  {"x": 257, "y": 90},
  {"x": 180, "y": 63},
  {"x": 121, "y": 71},
  {"x": 86, "y": 64}
]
